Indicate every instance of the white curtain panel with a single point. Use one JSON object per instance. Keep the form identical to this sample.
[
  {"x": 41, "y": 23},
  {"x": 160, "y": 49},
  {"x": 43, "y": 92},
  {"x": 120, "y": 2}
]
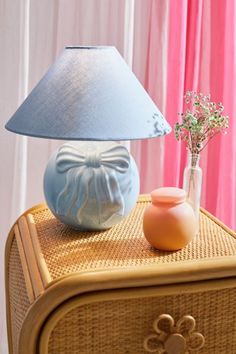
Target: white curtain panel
[
  {"x": 32, "y": 35},
  {"x": 156, "y": 12}
]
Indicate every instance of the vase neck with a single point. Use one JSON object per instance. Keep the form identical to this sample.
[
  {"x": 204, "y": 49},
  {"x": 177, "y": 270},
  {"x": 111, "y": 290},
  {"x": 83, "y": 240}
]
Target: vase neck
[{"x": 193, "y": 160}]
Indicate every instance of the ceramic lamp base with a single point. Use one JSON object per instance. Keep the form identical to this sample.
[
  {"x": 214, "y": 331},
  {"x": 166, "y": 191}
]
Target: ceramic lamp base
[{"x": 91, "y": 185}]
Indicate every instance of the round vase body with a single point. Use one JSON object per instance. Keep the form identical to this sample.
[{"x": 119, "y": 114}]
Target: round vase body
[
  {"x": 169, "y": 223},
  {"x": 91, "y": 185}
]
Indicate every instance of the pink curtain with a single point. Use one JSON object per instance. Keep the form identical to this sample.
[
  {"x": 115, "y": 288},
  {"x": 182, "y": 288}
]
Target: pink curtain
[{"x": 200, "y": 55}]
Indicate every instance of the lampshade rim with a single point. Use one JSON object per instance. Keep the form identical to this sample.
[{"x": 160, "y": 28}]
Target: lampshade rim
[{"x": 86, "y": 139}]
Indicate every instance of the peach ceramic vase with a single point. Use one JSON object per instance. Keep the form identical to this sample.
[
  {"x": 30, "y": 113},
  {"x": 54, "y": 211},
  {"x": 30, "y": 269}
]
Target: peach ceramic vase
[{"x": 169, "y": 222}]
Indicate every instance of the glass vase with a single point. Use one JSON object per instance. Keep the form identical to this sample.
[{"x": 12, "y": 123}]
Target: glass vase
[{"x": 192, "y": 183}]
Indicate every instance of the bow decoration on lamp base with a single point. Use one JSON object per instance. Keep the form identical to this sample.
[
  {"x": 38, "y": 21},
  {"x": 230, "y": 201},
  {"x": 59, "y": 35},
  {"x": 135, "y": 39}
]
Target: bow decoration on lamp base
[{"x": 91, "y": 185}]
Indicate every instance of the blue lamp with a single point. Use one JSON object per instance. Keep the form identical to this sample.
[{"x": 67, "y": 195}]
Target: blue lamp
[{"x": 89, "y": 95}]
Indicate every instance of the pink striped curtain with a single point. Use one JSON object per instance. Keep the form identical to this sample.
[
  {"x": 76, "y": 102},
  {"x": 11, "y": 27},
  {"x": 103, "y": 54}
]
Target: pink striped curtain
[{"x": 199, "y": 55}]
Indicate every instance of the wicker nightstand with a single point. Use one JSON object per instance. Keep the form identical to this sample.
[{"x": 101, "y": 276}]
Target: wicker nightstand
[{"x": 109, "y": 292}]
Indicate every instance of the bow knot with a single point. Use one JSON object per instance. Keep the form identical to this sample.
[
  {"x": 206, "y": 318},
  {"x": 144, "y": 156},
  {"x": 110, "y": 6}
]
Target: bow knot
[{"x": 93, "y": 160}]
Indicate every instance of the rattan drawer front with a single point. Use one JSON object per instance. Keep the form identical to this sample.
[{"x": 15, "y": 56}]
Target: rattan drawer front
[{"x": 120, "y": 326}]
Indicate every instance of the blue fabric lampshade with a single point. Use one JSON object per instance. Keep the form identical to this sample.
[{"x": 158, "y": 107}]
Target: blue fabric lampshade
[{"x": 89, "y": 93}]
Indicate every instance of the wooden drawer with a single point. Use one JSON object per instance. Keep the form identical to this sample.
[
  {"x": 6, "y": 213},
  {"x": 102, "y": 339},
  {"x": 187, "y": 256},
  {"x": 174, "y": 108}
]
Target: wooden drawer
[{"x": 104, "y": 292}]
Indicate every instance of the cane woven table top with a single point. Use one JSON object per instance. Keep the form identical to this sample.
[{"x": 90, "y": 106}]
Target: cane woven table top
[{"x": 66, "y": 251}]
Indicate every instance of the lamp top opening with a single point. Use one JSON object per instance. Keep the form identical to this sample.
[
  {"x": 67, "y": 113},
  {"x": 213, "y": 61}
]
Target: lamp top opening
[{"x": 90, "y": 47}]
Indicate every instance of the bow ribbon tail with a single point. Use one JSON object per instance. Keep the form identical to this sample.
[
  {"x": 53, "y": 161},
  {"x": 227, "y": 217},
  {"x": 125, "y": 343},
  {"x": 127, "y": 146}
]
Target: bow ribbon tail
[
  {"x": 74, "y": 195},
  {"x": 82, "y": 192},
  {"x": 108, "y": 194},
  {"x": 65, "y": 197}
]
